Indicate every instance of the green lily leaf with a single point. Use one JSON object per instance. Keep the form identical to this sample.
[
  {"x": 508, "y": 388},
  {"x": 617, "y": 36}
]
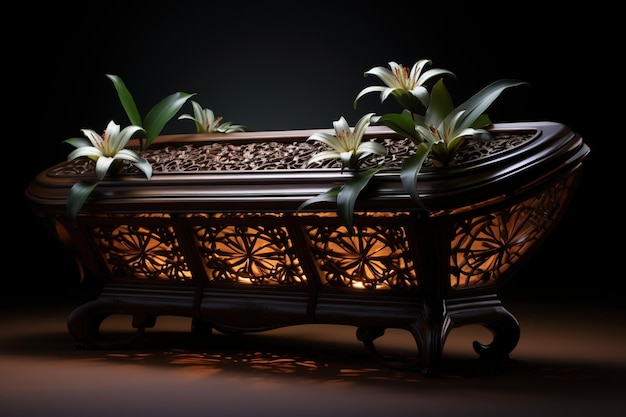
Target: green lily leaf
[
  {"x": 345, "y": 196},
  {"x": 440, "y": 105},
  {"x": 348, "y": 193},
  {"x": 162, "y": 113},
  {"x": 78, "y": 195},
  {"x": 402, "y": 124},
  {"x": 482, "y": 121},
  {"x": 157, "y": 117},
  {"x": 329, "y": 196},
  {"x": 126, "y": 99},
  {"x": 479, "y": 102},
  {"x": 410, "y": 168}
]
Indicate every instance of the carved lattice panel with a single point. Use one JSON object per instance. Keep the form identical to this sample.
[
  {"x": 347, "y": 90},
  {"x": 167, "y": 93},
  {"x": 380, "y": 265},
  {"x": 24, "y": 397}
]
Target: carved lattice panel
[
  {"x": 246, "y": 254},
  {"x": 485, "y": 247},
  {"x": 376, "y": 257},
  {"x": 141, "y": 251}
]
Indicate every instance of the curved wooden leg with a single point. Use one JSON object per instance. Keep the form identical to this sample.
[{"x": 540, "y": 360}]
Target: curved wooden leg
[
  {"x": 428, "y": 339},
  {"x": 488, "y": 312},
  {"x": 431, "y": 331},
  {"x": 506, "y": 333},
  {"x": 84, "y": 324}
]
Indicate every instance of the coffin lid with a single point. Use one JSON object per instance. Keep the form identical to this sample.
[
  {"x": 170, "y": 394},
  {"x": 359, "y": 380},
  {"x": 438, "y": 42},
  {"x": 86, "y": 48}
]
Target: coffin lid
[{"x": 259, "y": 171}]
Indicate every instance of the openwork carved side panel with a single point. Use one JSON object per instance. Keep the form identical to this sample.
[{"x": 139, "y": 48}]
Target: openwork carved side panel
[
  {"x": 375, "y": 257},
  {"x": 141, "y": 251},
  {"x": 485, "y": 247},
  {"x": 249, "y": 254}
]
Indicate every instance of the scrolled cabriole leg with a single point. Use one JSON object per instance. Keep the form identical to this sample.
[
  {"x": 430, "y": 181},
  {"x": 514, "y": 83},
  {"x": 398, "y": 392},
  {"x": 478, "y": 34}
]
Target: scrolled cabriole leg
[
  {"x": 429, "y": 349},
  {"x": 506, "y": 333},
  {"x": 488, "y": 312},
  {"x": 85, "y": 321}
]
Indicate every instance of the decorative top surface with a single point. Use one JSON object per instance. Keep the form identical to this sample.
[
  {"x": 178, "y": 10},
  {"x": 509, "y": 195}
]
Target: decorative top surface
[{"x": 278, "y": 155}]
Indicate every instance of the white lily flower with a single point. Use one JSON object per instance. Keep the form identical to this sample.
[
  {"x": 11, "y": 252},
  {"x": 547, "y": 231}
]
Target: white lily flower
[
  {"x": 206, "y": 122},
  {"x": 400, "y": 81},
  {"x": 108, "y": 148},
  {"x": 347, "y": 144}
]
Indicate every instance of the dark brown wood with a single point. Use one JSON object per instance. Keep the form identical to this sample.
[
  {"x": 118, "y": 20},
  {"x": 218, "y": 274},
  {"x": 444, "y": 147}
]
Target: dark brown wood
[{"x": 227, "y": 248}]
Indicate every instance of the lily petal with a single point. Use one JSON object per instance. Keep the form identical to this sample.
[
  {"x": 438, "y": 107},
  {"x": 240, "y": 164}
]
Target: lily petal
[
  {"x": 119, "y": 141},
  {"x": 102, "y": 166},
  {"x": 88, "y": 151}
]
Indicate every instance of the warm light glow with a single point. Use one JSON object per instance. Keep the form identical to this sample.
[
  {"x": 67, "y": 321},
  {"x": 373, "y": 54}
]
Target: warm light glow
[
  {"x": 484, "y": 248},
  {"x": 369, "y": 257},
  {"x": 142, "y": 252},
  {"x": 249, "y": 255},
  {"x": 261, "y": 249}
]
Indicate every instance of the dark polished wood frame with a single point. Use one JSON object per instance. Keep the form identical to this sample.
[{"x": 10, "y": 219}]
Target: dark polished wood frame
[{"x": 183, "y": 243}]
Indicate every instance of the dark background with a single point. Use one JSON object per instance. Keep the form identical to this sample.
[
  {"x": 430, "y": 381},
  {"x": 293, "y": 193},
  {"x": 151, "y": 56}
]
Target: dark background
[{"x": 291, "y": 65}]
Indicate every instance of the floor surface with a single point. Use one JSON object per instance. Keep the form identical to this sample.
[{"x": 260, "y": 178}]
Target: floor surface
[{"x": 571, "y": 360}]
